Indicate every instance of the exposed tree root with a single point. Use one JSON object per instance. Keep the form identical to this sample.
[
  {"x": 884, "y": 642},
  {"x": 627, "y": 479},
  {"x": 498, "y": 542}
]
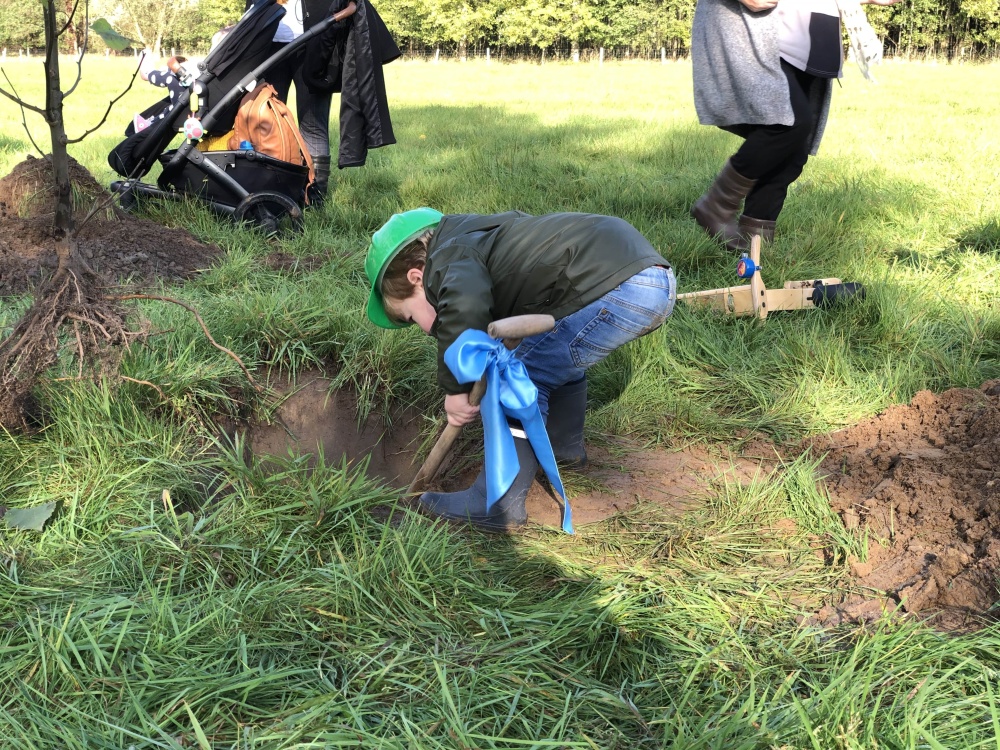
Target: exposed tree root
[{"x": 73, "y": 298}]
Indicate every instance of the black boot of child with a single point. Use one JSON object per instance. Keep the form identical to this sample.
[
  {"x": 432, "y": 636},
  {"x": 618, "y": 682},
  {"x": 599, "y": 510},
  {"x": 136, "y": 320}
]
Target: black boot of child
[
  {"x": 567, "y": 409},
  {"x": 469, "y": 505}
]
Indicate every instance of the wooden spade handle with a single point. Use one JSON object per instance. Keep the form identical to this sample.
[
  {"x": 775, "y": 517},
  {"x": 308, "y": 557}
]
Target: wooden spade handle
[{"x": 510, "y": 331}]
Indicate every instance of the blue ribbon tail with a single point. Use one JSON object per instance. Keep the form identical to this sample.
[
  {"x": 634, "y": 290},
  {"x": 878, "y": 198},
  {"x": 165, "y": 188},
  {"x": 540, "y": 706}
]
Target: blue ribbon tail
[
  {"x": 534, "y": 428},
  {"x": 509, "y": 394},
  {"x": 501, "y": 464}
]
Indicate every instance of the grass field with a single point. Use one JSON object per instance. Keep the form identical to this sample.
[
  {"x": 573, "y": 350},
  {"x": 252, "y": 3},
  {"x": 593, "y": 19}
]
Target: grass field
[{"x": 283, "y": 614}]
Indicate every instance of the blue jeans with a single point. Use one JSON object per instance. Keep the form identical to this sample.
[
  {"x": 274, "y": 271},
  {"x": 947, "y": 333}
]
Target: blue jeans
[{"x": 581, "y": 340}]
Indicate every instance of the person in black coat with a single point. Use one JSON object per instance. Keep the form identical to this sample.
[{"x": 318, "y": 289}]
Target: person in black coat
[{"x": 346, "y": 58}]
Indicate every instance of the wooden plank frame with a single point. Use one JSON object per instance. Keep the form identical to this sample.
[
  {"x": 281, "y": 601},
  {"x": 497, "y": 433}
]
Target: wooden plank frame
[{"x": 755, "y": 298}]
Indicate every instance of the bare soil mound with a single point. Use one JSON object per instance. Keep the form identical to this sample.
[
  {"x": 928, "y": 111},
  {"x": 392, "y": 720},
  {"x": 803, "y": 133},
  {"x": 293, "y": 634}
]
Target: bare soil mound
[
  {"x": 923, "y": 480},
  {"x": 117, "y": 245}
]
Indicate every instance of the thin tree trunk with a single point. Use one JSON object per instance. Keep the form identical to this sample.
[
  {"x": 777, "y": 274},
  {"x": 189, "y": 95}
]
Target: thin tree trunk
[{"x": 53, "y": 115}]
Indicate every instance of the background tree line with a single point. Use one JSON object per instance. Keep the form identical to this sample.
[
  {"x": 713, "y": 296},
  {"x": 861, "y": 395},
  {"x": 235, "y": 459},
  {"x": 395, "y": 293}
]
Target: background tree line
[{"x": 940, "y": 28}]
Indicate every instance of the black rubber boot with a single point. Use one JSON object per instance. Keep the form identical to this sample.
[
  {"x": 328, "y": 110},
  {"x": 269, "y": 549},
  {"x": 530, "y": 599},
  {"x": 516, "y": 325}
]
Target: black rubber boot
[
  {"x": 469, "y": 505},
  {"x": 749, "y": 228},
  {"x": 716, "y": 210},
  {"x": 316, "y": 192},
  {"x": 567, "y": 410}
]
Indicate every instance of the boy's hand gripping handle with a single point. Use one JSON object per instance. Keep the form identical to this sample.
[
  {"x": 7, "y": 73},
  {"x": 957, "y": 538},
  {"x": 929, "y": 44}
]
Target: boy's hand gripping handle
[{"x": 510, "y": 331}]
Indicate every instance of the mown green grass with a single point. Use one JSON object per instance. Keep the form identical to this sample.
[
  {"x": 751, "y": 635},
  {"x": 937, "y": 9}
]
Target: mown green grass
[{"x": 184, "y": 598}]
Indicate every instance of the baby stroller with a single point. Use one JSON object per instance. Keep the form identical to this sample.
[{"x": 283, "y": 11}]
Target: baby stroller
[{"x": 245, "y": 184}]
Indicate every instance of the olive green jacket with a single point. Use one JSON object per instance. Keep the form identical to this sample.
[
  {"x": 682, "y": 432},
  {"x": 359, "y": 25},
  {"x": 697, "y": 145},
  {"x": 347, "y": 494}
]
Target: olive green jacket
[{"x": 483, "y": 268}]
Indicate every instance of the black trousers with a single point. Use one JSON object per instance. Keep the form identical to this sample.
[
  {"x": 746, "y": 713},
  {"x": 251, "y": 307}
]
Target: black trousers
[
  {"x": 774, "y": 155},
  {"x": 312, "y": 109}
]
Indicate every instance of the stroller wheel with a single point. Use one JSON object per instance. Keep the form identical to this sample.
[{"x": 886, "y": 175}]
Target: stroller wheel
[{"x": 275, "y": 213}]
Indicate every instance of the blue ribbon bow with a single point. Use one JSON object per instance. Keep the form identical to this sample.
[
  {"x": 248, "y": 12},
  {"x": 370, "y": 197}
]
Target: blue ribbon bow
[{"x": 509, "y": 393}]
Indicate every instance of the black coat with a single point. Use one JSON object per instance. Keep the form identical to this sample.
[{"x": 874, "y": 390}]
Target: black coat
[
  {"x": 483, "y": 268},
  {"x": 348, "y": 58}
]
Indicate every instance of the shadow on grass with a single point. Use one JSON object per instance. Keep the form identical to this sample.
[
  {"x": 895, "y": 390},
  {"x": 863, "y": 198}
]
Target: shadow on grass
[
  {"x": 649, "y": 175},
  {"x": 843, "y": 219},
  {"x": 984, "y": 238}
]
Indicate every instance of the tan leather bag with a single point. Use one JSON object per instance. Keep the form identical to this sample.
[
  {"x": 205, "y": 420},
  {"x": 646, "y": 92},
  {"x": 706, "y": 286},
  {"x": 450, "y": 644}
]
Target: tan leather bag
[{"x": 268, "y": 123}]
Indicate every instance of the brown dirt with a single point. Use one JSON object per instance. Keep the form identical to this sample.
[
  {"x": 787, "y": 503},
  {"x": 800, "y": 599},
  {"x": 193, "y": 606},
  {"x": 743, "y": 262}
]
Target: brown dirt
[
  {"x": 311, "y": 419},
  {"x": 923, "y": 480},
  {"x": 117, "y": 245},
  {"x": 920, "y": 477}
]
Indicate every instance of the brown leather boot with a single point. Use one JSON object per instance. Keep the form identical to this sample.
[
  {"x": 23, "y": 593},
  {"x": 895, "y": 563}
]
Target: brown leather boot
[
  {"x": 749, "y": 227},
  {"x": 716, "y": 210}
]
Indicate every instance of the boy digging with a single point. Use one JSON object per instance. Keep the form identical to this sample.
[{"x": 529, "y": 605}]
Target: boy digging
[{"x": 600, "y": 279}]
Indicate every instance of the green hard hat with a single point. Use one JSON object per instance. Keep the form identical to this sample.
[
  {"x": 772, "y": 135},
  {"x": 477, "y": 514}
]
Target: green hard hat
[{"x": 386, "y": 244}]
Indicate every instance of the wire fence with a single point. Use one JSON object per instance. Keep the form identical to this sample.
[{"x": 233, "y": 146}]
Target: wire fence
[
  {"x": 523, "y": 53},
  {"x": 553, "y": 54},
  {"x": 675, "y": 52},
  {"x": 566, "y": 54}
]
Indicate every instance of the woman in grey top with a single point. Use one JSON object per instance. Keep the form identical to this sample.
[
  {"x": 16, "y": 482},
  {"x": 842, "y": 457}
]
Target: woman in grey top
[{"x": 763, "y": 71}]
